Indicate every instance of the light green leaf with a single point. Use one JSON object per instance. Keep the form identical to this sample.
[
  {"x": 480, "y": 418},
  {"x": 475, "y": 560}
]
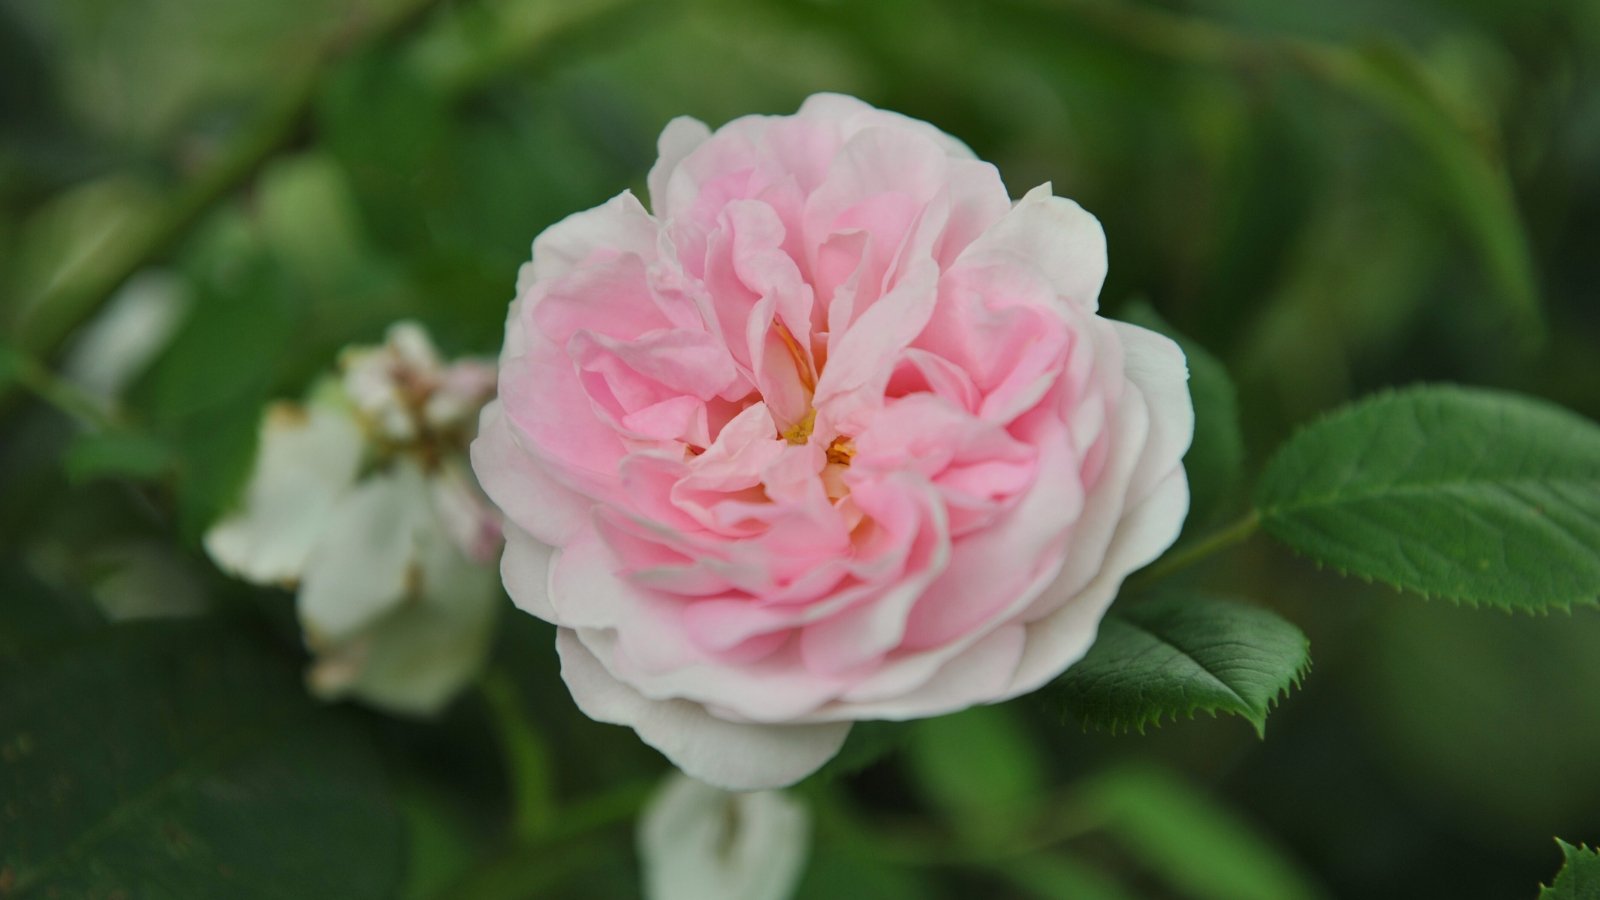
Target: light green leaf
[
  {"x": 116, "y": 454},
  {"x": 179, "y": 760},
  {"x": 1180, "y": 654},
  {"x": 979, "y": 767},
  {"x": 1215, "y": 459},
  {"x": 1579, "y": 878},
  {"x": 1059, "y": 875},
  {"x": 1481, "y": 497},
  {"x": 1185, "y": 837}
]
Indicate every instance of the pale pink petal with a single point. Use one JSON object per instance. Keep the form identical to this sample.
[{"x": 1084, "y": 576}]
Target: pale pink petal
[
  {"x": 519, "y": 484},
  {"x": 618, "y": 226},
  {"x": 1061, "y": 639},
  {"x": 836, "y": 435}
]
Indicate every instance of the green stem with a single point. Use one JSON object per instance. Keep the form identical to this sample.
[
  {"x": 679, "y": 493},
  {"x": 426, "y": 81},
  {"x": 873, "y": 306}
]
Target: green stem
[
  {"x": 527, "y": 759},
  {"x": 23, "y": 370},
  {"x": 915, "y": 844},
  {"x": 1191, "y": 554},
  {"x": 529, "y": 868}
]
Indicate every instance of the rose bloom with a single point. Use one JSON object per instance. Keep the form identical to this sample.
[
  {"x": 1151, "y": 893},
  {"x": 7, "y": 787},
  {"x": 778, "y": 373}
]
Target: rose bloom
[{"x": 833, "y": 434}]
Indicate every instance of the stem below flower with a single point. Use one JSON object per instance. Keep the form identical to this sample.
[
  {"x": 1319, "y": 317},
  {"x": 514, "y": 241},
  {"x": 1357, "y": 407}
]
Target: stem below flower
[
  {"x": 527, "y": 759},
  {"x": 1212, "y": 543},
  {"x": 526, "y": 868},
  {"x": 66, "y": 397}
]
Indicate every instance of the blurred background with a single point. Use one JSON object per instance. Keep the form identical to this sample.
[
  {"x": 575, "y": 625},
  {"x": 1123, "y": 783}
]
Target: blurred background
[{"x": 201, "y": 202}]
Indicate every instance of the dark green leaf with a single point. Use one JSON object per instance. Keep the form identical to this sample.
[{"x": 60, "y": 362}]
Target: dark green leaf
[
  {"x": 868, "y": 743},
  {"x": 1193, "y": 843},
  {"x": 836, "y": 871},
  {"x": 1579, "y": 878},
  {"x": 1177, "y": 655},
  {"x": 1216, "y": 456},
  {"x": 179, "y": 761},
  {"x": 1478, "y": 496}
]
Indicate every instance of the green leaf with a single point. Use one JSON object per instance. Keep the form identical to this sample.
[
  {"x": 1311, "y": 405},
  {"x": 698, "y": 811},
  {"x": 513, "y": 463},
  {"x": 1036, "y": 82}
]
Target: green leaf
[
  {"x": 1215, "y": 459},
  {"x": 1050, "y": 877},
  {"x": 1463, "y": 161},
  {"x": 116, "y": 454},
  {"x": 204, "y": 395},
  {"x": 836, "y": 870},
  {"x": 1180, "y": 654},
  {"x": 1181, "y": 834},
  {"x": 11, "y": 364},
  {"x": 1482, "y": 497},
  {"x": 1579, "y": 878},
  {"x": 979, "y": 767},
  {"x": 175, "y": 761}
]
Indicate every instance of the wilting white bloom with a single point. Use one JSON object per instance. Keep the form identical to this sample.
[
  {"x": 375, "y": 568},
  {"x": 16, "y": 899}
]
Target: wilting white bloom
[
  {"x": 699, "y": 842},
  {"x": 361, "y": 497}
]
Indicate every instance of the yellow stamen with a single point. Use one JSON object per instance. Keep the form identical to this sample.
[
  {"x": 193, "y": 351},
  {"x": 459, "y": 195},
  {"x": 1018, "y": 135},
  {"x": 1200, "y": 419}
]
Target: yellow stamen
[
  {"x": 842, "y": 450},
  {"x": 800, "y": 432}
]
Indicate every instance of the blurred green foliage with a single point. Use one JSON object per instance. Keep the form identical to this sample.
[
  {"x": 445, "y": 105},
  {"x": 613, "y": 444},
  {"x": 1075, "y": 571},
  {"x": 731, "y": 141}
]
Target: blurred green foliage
[{"x": 1326, "y": 198}]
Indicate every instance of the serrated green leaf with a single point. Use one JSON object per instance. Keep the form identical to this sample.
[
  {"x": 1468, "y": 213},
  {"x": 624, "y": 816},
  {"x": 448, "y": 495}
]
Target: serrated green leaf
[
  {"x": 179, "y": 760},
  {"x": 1189, "y": 840},
  {"x": 1180, "y": 654},
  {"x": 1215, "y": 460},
  {"x": 1482, "y": 497},
  {"x": 1579, "y": 878}
]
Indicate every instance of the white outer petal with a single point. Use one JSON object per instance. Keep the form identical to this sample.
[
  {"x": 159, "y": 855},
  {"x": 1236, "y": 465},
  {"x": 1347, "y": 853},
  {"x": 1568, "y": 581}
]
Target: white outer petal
[
  {"x": 1053, "y": 236},
  {"x": 730, "y": 755},
  {"x": 688, "y": 852},
  {"x": 419, "y": 657},
  {"x": 414, "y": 656},
  {"x": 306, "y": 461},
  {"x": 1157, "y": 500},
  {"x": 368, "y": 560},
  {"x": 1157, "y": 369},
  {"x": 680, "y": 138},
  {"x": 525, "y": 570}
]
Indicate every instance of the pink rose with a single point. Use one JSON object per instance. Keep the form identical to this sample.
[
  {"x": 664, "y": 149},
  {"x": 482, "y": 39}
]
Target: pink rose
[{"x": 835, "y": 434}]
